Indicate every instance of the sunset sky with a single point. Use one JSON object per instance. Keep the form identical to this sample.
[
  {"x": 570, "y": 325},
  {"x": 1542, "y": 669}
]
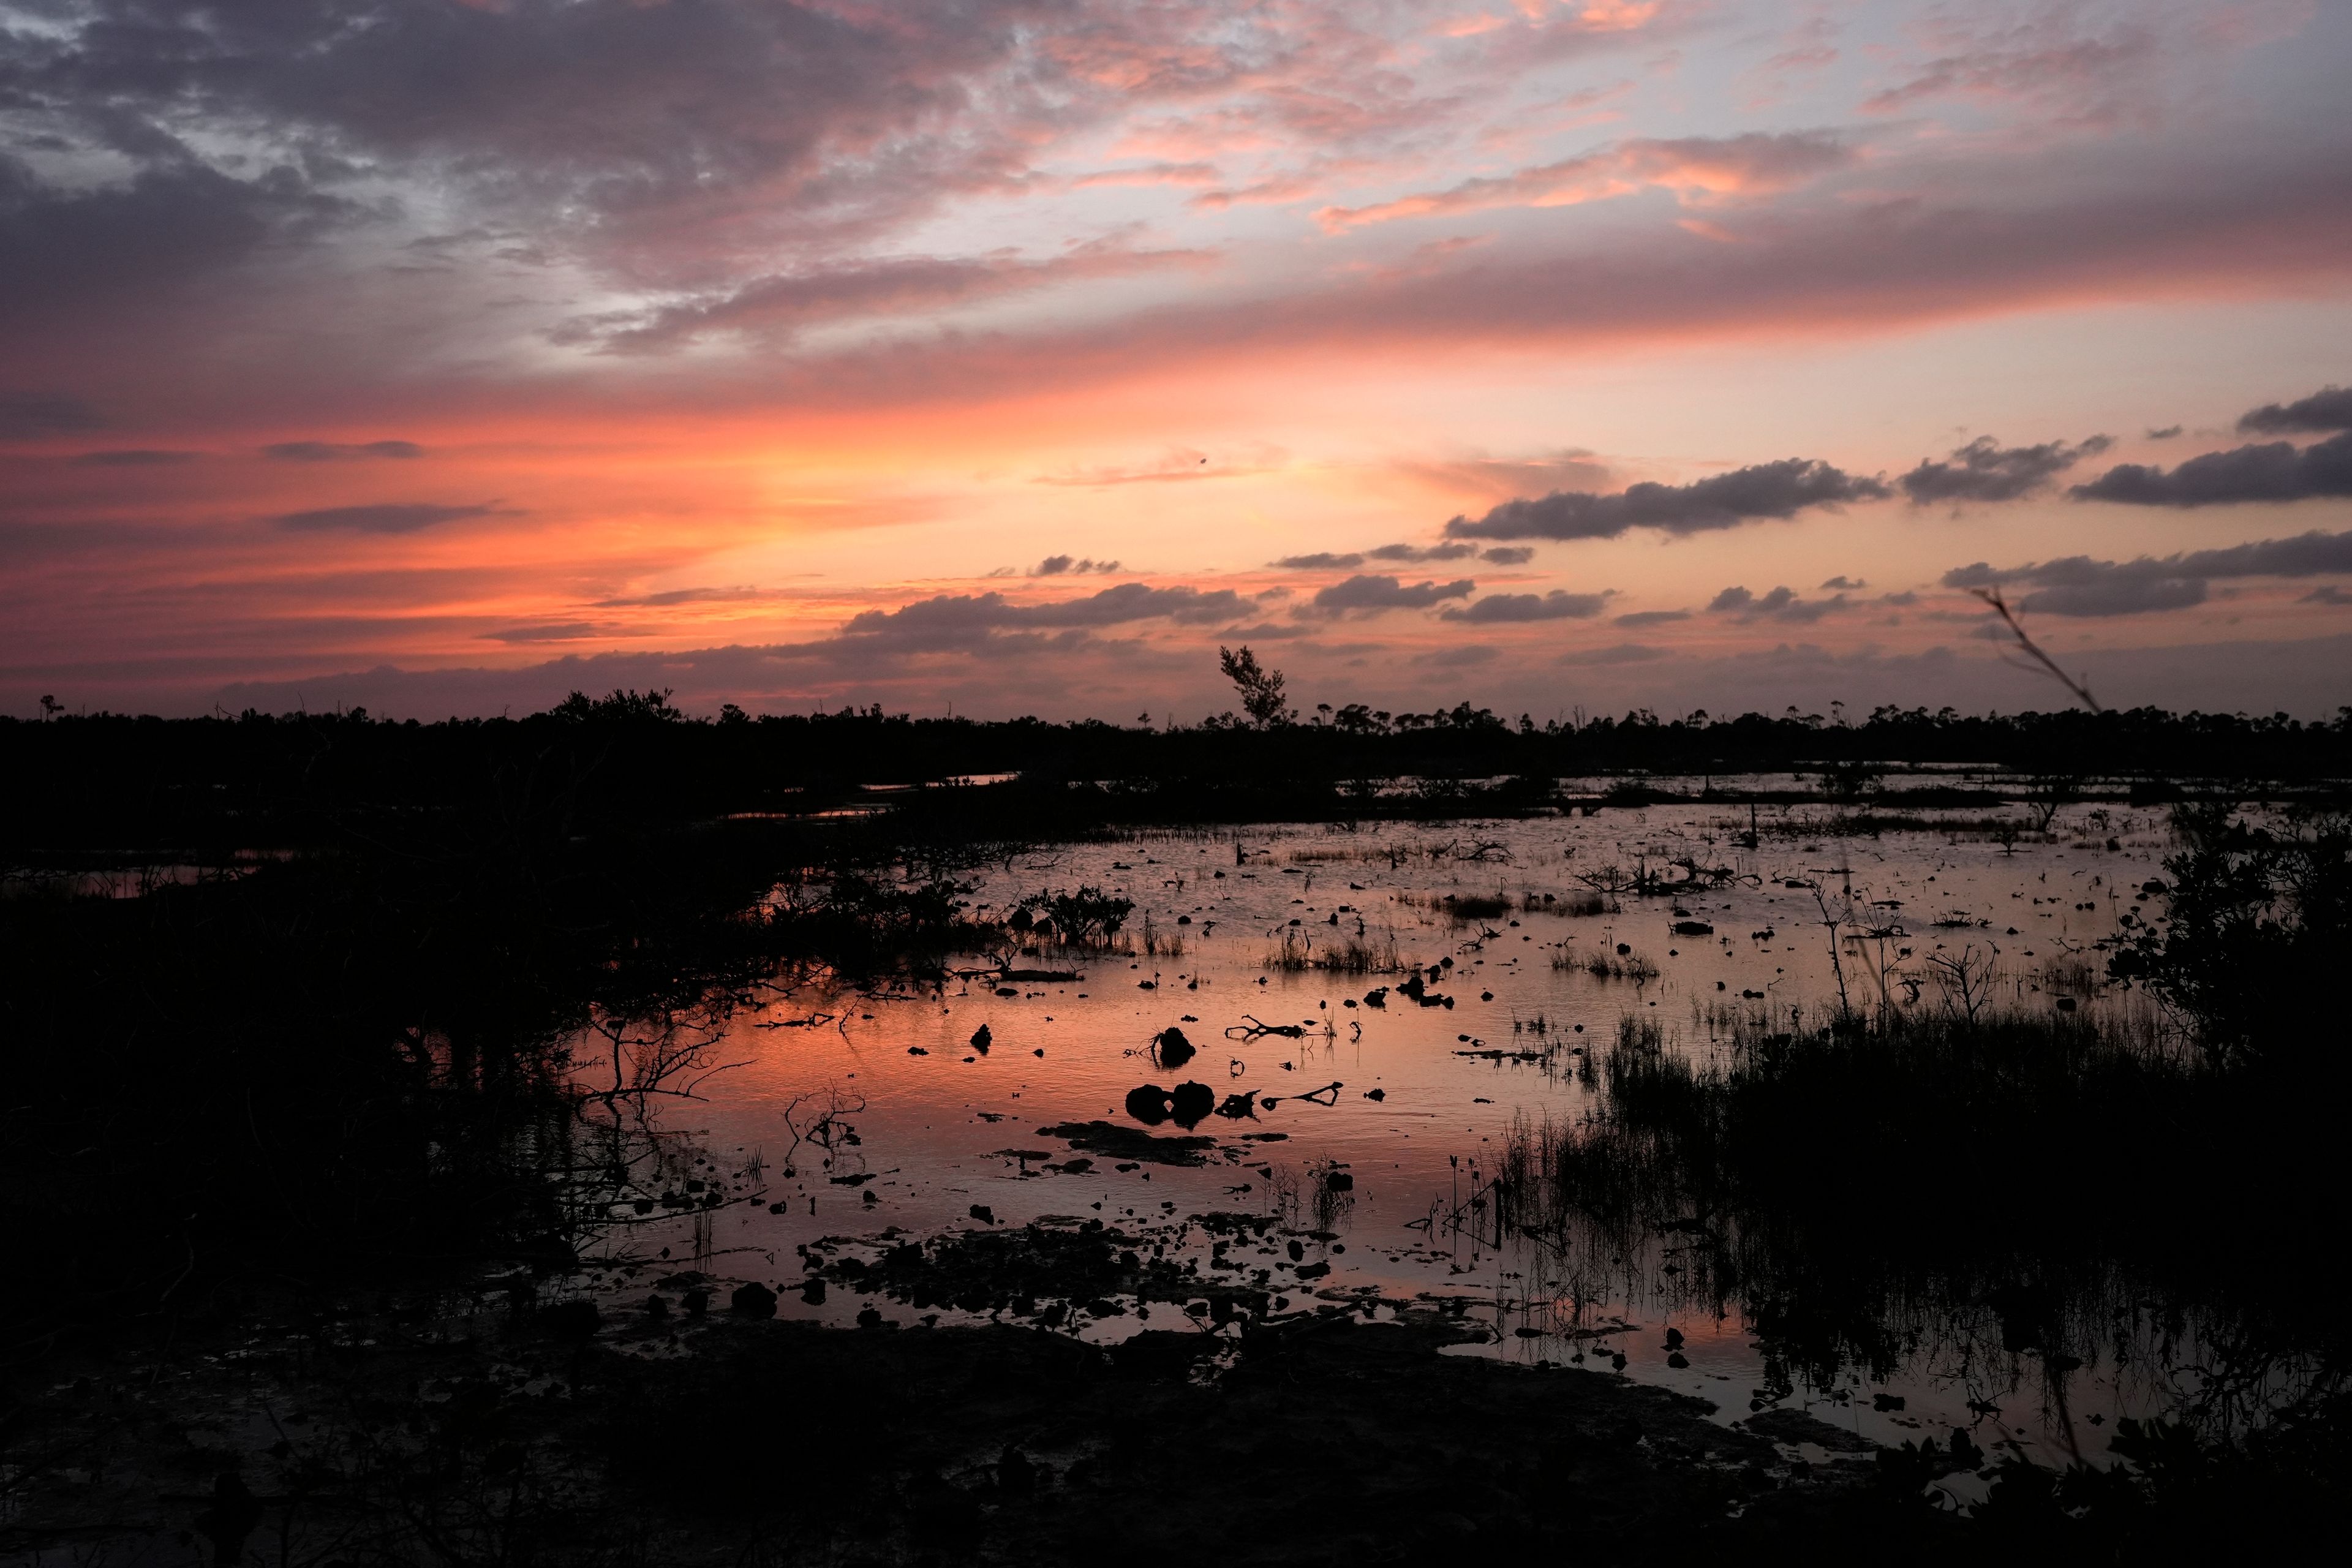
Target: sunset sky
[{"x": 445, "y": 355}]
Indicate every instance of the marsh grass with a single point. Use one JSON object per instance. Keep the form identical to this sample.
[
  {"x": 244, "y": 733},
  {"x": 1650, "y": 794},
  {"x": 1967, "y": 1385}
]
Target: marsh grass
[
  {"x": 1462, "y": 908},
  {"x": 1158, "y": 943},
  {"x": 1602, "y": 964},
  {"x": 1997, "y": 1195},
  {"x": 345, "y": 1066},
  {"x": 1297, "y": 951},
  {"x": 2074, "y": 974},
  {"x": 1472, "y": 908}
]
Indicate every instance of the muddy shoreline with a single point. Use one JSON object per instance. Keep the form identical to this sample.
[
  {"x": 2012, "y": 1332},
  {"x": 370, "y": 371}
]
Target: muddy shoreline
[{"x": 523, "y": 1429}]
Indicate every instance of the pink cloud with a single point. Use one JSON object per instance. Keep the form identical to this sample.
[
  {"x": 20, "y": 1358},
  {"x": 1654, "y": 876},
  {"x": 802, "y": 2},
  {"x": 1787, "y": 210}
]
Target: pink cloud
[
  {"x": 1694, "y": 168},
  {"x": 1194, "y": 173}
]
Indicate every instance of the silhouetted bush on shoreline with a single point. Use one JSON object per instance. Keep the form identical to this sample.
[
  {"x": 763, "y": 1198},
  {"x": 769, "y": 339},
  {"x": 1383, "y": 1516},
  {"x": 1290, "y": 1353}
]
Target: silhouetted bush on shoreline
[{"x": 224, "y": 784}]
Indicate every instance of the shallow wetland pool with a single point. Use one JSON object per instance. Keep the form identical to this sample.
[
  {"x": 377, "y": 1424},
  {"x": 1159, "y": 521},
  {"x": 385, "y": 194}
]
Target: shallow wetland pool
[{"x": 1360, "y": 1127}]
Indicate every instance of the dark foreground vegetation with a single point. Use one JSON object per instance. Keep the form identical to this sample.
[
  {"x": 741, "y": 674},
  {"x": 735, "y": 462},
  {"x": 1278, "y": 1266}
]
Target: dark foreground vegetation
[
  {"x": 298, "y": 1102},
  {"x": 2156, "y": 1178}
]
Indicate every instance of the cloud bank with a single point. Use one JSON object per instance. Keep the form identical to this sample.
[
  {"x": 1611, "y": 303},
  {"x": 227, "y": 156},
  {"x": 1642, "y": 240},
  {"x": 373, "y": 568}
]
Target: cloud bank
[
  {"x": 2273, "y": 471},
  {"x": 1985, "y": 471},
  {"x": 2079, "y": 585},
  {"x": 1764, "y": 490}
]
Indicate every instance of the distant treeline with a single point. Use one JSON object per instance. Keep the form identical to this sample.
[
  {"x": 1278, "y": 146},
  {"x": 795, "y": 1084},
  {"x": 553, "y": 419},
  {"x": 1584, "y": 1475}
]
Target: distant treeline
[{"x": 257, "y": 779}]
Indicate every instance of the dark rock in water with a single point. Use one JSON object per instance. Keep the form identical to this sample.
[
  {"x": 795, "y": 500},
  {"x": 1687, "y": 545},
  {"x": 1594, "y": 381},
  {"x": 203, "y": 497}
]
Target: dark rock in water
[
  {"x": 984, "y": 1214},
  {"x": 656, "y": 1308},
  {"x": 1190, "y": 1104},
  {"x": 1015, "y": 1475},
  {"x": 982, "y": 1039},
  {"x": 1237, "y": 1106},
  {"x": 813, "y": 1290},
  {"x": 1886, "y": 1402},
  {"x": 1376, "y": 998},
  {"x": 1297, "y": 1251},
  {"x": 752, "y": 1301},
  {"x": 1676, "y": 1360},
  {"x": 1693, "y": 928},
  {"x": 1340, "y": 1182},
  {"x": 1624, "y": 950},
  {"x": 697, "y": 1301},
  {"x": 575, "y": 1319},
  {"x": 1376, "y": 1094},
  {"x": 1148, "y": 1103},
  {"x": 869, "y": 1317},
  {"x": 1171, "y": 1047}
]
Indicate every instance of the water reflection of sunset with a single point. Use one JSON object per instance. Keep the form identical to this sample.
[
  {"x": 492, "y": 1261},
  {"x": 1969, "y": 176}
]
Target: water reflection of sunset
[{"x": 943, "y": 1126}]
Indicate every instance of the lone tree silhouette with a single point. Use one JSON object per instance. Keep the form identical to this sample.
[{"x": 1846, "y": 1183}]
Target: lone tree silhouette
[{"x": 1261, "y": 689}]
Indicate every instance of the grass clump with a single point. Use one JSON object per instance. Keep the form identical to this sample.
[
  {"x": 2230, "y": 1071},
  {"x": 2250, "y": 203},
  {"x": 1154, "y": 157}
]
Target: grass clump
[
  {"x": 1602, "y": 964},
  {"x": 1294, "y": 952}
]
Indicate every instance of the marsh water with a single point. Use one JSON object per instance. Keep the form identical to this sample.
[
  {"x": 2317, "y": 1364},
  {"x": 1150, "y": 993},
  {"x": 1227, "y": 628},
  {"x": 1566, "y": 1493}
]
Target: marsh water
[{"x": 1366, "y": 1124}]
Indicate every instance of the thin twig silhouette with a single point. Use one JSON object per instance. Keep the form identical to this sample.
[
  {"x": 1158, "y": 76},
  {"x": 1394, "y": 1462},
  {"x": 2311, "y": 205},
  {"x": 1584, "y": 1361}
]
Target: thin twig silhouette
[{"x": 2049, "y": 666}]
